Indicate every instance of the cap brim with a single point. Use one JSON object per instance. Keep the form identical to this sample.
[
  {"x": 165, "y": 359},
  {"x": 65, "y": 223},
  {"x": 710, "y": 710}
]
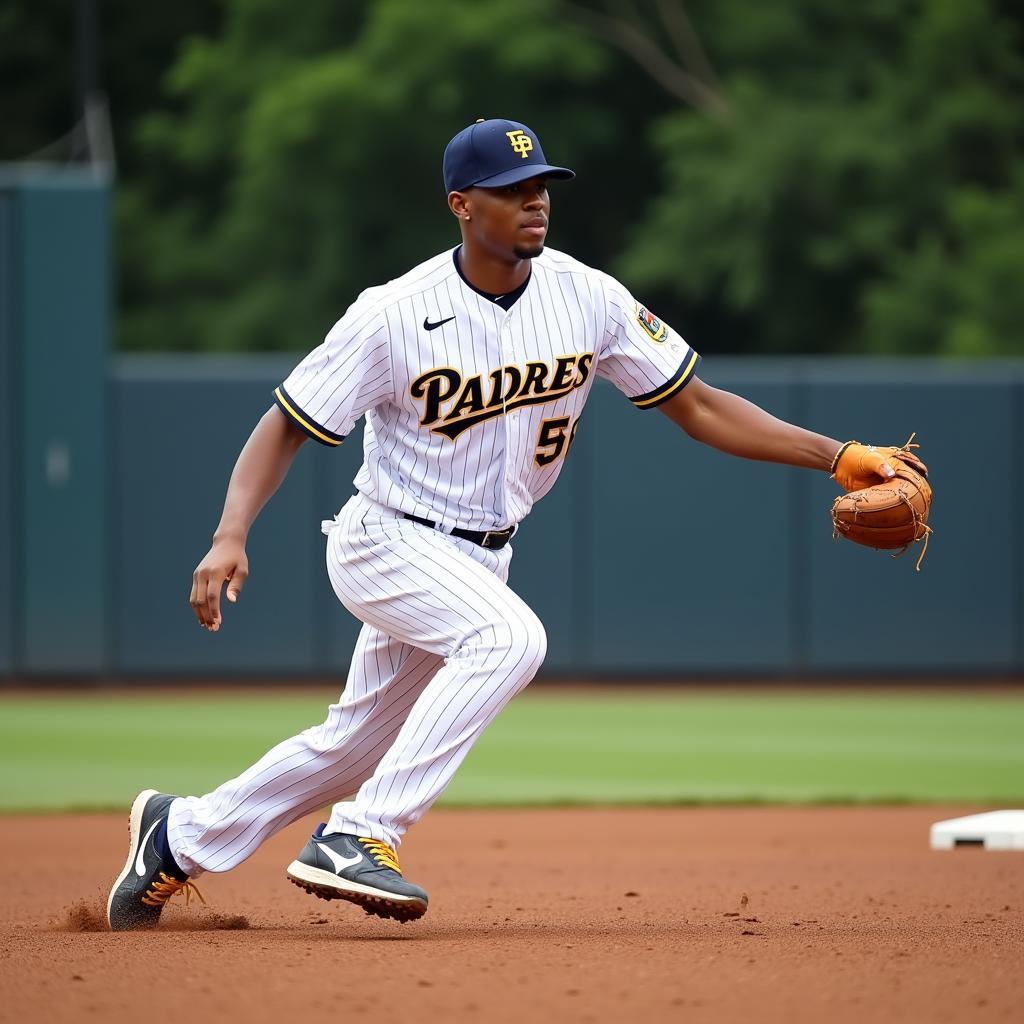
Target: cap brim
[{"x": 523, "y": 174}]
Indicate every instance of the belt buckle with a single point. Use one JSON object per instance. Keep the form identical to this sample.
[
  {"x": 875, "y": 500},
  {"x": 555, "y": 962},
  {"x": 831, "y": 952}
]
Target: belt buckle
[{"x": 502, "y": 536}]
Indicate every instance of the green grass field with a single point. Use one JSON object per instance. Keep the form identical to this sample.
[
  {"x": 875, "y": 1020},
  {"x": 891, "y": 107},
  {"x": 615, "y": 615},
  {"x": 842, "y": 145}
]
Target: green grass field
[{"x": 96, "y": 750}]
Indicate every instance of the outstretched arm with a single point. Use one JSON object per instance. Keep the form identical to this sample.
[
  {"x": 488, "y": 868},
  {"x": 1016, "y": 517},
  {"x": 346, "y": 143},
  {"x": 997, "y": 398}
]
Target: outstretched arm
[
  {"x": 262, "y": 464},
  {"x": 732, "y": 424}
]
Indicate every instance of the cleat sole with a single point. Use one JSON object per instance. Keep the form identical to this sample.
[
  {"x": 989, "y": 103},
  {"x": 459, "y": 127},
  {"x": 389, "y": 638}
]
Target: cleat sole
[{"x": 375, "y": 906}]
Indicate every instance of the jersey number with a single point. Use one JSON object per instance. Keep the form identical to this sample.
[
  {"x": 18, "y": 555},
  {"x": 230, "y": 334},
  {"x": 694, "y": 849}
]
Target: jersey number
[{"x": 555, "y": 439}]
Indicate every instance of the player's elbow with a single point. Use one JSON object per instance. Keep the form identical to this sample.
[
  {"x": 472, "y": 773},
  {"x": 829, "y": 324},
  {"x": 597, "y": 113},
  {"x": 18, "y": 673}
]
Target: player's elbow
[{"x": 691, "y": 409}]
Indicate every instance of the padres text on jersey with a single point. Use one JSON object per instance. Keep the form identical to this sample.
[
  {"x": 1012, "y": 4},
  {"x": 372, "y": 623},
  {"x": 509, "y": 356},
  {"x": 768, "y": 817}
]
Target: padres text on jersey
[{"x": 508, "y": 388}]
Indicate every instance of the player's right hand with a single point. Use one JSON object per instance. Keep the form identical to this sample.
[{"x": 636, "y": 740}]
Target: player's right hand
[{"x": 225, "y": 562}]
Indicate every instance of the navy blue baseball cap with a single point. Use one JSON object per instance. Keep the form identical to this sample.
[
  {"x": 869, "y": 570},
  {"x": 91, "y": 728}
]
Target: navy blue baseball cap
[{"x": 494, "y": 153}]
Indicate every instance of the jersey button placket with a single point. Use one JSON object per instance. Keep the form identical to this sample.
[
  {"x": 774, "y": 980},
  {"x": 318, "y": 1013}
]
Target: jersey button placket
[{"x": 508, "y": 357}]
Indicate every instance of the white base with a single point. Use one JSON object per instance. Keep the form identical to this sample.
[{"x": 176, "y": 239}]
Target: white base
[{"x": 994, "y": 830}]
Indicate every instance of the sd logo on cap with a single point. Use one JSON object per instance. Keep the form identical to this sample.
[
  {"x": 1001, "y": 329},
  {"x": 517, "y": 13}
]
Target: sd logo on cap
[{"x": 493, "y": 153}]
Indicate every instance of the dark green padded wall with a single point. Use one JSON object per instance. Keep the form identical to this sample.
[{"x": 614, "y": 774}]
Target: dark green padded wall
[
  {"x": 178, "y": 429},
  {"x": 686, "y": 575},
  {"x": 61, "y": 302},
  {"x": 961, "y": 611},
  {"x": 8, "y": 439},
  {"x": 651, "y": 557}
]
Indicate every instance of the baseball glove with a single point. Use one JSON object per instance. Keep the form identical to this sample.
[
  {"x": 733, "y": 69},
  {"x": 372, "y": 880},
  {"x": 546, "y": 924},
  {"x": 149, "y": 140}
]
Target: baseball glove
[{"x": 887, "y": 515}]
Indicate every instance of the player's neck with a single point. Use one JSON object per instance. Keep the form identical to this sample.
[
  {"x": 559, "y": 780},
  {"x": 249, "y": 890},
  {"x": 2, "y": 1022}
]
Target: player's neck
[{"x": 490, "y": 274}]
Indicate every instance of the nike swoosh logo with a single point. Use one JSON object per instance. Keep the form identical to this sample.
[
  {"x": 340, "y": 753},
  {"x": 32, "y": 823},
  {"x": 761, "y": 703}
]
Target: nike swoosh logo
[
  {"x": 440, "y": 323},
  {"x": 339, "y": 862},
  {"x": 140, "y": 863}
]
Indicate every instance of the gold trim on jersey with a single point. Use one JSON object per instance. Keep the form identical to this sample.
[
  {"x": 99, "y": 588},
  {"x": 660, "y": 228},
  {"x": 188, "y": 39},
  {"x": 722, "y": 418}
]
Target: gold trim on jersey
[
  {"x": 678, "y": 381},
  {"x": 315, "y": 431},
  {"x": 453, "y": 404}
]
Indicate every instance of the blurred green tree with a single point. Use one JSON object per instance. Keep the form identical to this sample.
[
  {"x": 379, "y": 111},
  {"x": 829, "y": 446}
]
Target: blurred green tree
[
  {"x": 136, "y": 44},
  {"x": 304, "y": 162},
  {"x": 863, "y": 192},
  {"x": 802, "y": 176},
  {"x": 36, "y": 106}
]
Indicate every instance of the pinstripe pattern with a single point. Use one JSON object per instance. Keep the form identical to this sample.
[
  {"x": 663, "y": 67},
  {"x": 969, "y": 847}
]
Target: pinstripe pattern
[
  {"x": 446, "y": 644},
  {"x": 323, "y": 764},
  {"x": 437, "y": 593}
]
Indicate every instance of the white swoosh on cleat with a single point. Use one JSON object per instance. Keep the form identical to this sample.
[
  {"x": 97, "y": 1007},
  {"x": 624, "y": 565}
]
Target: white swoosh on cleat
[
  {"x": 140, "y": 863},
  {"x": 339, "y": 862}
]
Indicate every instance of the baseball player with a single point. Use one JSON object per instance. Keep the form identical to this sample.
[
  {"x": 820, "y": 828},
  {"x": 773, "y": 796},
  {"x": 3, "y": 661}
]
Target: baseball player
[{"x": 472, "y": 371}]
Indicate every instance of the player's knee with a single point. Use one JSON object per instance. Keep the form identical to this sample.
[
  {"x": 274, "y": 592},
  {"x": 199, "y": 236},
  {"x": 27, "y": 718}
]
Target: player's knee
[
  {"x": 515, "y": 646},
  {"x": 320, "y": 739},
  {"x": 340, "y": 723},
  {"x": 537, "y": 648},
  {"x": 528, "y": 646}
]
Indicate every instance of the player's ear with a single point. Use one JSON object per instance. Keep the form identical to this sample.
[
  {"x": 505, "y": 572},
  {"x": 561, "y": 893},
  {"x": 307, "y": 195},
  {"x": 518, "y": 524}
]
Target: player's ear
[{"x": 458, "y": 205}]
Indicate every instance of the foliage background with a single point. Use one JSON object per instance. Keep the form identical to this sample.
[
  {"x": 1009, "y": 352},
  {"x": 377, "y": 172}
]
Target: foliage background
[{"x": 801, "y": 176}]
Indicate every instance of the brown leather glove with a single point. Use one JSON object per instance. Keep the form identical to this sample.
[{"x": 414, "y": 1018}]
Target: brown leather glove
[{"x": 888, "y": 515}]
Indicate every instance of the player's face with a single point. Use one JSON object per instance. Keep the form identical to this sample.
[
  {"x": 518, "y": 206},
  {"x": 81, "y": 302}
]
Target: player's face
[{"x": 511, "y": 220}]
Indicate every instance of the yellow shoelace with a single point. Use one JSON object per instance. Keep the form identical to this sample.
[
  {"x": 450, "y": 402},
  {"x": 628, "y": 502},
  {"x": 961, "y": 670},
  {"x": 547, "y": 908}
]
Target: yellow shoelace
[
  {"x": 382, "y": 853},
  {"x": 164, "y": 889}
]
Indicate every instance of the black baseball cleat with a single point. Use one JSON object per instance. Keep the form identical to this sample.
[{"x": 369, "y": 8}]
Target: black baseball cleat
[
  {"x": 149, "y": 878},
  {"x": 363, "y": 871}
]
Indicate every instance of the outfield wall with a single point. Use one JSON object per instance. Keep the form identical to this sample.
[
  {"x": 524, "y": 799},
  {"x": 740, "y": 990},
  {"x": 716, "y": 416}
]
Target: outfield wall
[
  {"x": 652, "y": 556},
  {"x": 55, "y": 313}
]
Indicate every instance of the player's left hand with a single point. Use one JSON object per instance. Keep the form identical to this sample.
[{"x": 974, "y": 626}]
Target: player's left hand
[{"x": 857, "y": 465}]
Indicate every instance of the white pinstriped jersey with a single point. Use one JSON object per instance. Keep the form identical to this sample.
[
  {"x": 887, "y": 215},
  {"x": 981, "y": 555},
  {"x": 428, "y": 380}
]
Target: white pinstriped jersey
[{"x": 471, "y": 408}]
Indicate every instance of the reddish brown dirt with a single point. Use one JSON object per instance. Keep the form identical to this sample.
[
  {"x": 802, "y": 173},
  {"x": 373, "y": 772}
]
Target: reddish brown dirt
[{"x": 706, "y": 915}]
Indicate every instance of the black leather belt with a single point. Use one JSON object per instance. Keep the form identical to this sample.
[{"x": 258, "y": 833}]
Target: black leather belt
[{"x": 492, "y": 539}]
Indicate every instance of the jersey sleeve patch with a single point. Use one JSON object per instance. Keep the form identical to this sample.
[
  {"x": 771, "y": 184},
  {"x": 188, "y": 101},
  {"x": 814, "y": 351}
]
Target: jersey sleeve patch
[
  {"x": 305, "y": 423},
  {"x": 655, "y": 329},
  {"x": 671, "y": 387}
]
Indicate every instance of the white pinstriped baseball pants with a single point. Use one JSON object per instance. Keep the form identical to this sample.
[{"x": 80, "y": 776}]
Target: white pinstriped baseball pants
[{"x": 445, "y": 646}]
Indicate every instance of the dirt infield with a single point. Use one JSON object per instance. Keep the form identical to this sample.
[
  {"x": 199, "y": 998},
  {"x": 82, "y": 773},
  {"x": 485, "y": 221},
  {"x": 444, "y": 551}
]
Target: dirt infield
[{"x": 760, "y": 914}]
